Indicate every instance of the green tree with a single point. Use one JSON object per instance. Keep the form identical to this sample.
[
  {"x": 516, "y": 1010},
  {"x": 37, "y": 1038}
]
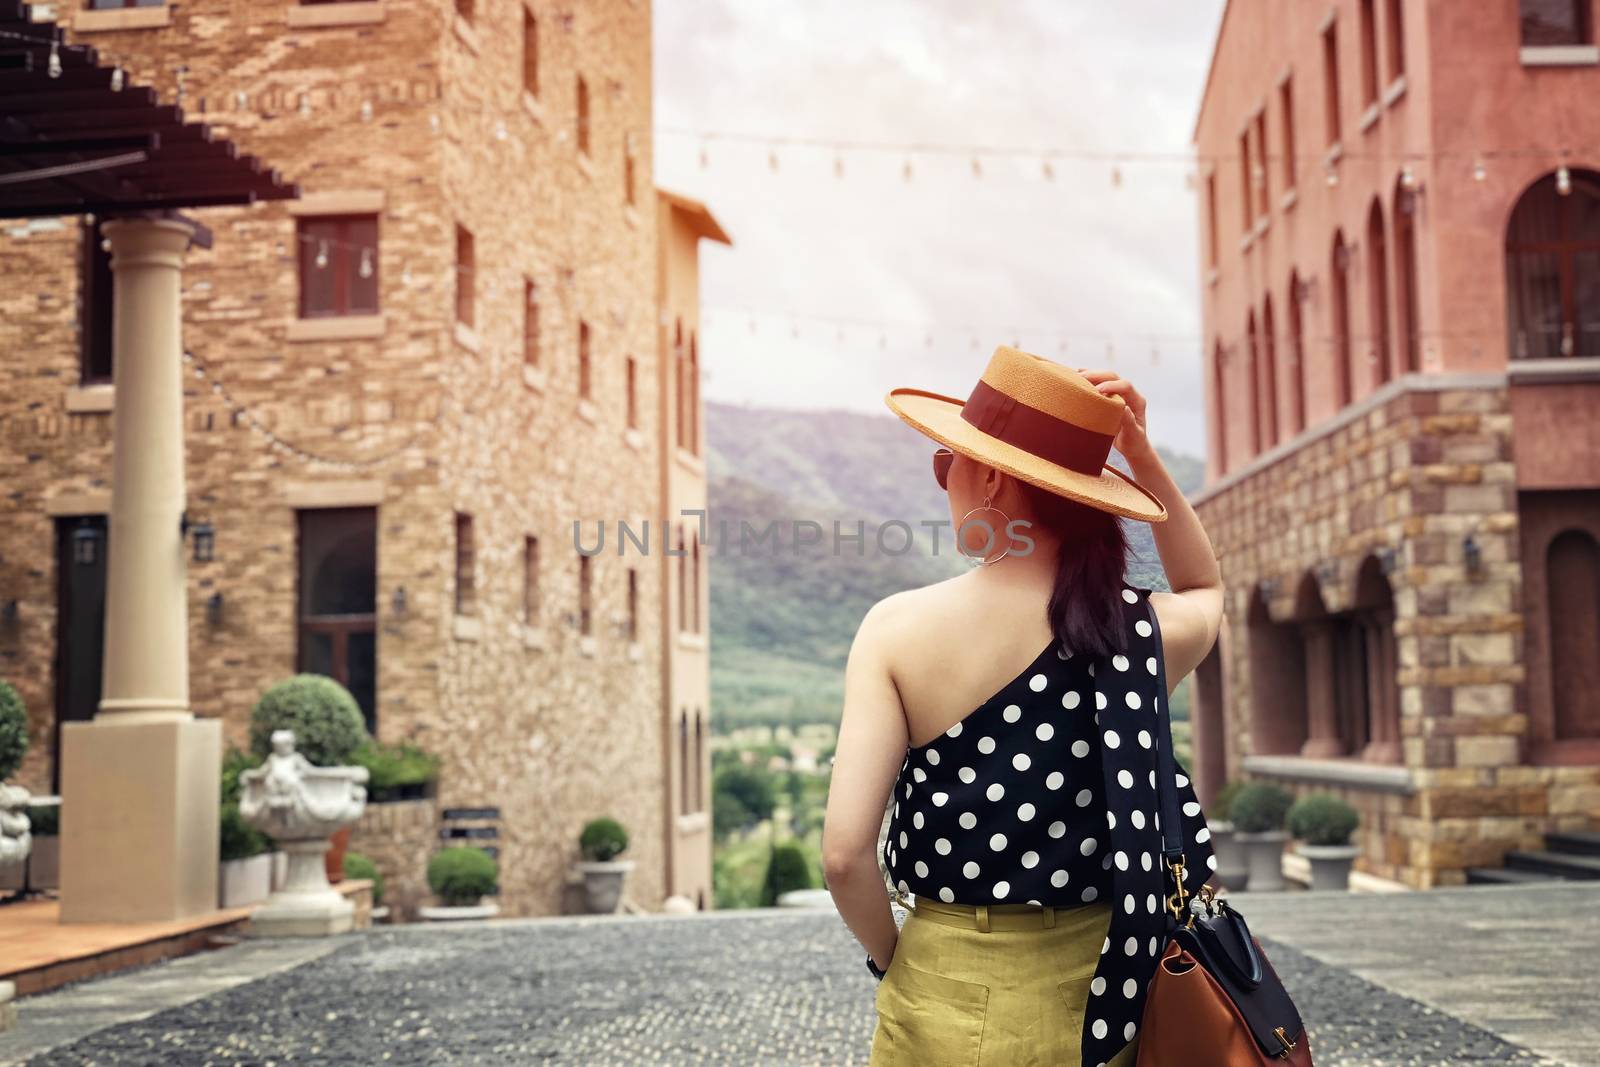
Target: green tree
[
  {"x": 751, "y": 786},
  {"x": 786, "y": 870}
]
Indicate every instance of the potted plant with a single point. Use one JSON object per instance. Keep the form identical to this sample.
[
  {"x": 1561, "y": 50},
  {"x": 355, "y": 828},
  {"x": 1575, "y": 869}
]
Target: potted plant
[
  {"x": 328, "y": 731},
  {"x": 358, "y": 866},
  {"x": 44, "y": 859},
  {"x": 398, "y": 772},
  {"x": 1324, "y": 823},
  {"x": 1257, "y": 812},
  {"x": 1232, "y": 866},
  {"x": 16, "y": 840},
  {"x": 461, "y": 877},
  {"x": 245, "y": 873},
  {"x": 601, "y": 842}
]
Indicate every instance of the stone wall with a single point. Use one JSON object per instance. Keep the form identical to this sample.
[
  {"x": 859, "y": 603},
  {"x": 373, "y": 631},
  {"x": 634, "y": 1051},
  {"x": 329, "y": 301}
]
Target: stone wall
[{"x": 398, "y": 837}]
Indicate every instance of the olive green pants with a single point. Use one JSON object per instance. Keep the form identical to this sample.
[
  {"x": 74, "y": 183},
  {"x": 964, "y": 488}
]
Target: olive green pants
[{"x": 1011, "y": 995}]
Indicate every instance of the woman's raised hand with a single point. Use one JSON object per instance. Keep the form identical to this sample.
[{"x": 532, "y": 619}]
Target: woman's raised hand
[{"x": 1131, "y": 439}]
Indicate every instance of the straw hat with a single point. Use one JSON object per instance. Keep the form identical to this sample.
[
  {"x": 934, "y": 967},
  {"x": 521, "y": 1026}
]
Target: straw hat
[{"x": 1038, "y": 421}]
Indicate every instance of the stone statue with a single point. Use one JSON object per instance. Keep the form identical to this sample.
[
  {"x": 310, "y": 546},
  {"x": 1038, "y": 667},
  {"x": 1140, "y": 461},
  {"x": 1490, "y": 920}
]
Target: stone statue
[{"x": 15, "y": 838}]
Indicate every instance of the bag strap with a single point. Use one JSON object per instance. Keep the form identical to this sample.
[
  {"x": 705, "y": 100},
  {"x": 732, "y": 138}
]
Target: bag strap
[{"x": 1166, "y": 770}]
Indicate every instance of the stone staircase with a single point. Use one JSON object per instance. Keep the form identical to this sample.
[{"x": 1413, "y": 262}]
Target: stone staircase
[{"x": 1570, "y": 856}]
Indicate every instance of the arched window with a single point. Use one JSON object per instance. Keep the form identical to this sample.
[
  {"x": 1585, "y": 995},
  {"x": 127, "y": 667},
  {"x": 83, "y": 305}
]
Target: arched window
[
  {"x": 1408, "y": 329},
  {"x": 1253, "y": 373},
  {"x": 1297, "y": 355},
  {"x": 1269, "y": 375},
  {"x": 1219, "y": 425},
  {"x": 1572, "y": 575},
  {"x": 1378, "y": 294},
  {"x": 1553, "y": 268},
  {"x": 1339, "y": 271}
]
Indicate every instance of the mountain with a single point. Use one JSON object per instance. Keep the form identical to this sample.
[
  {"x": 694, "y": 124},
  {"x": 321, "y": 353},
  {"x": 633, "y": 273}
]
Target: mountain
[{"x": 785, "y": 608}]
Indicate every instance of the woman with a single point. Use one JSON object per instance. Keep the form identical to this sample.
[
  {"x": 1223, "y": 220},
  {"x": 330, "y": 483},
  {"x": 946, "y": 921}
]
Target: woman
[{"x": 1023, "y": 835}]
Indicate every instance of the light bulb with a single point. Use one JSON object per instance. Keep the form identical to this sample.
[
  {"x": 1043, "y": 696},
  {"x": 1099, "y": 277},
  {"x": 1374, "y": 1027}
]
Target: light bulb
[
  {"x": 55, "y": 60},
  {"x": 365, "y": 269},
  {"x": 1408, "y": 178},
  {"x": 116, "y": 79},
  {"x": 1563, "y": 180},
  {"x": 322, "y": 255},
  {"x": 1333, "y": 176},
  {"x": 1479, "y": 171}
]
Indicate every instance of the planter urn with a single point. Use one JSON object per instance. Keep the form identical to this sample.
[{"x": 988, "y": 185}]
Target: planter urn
[
  {"x": 300, "y": 806},
  {"x": 15, "y": 839},
  {"x": 1233, "y": 865},
  {"x": 1330, "y": 864},
  {"x": 435, "y": 913},
  {"x": 243, "y": 882},
  {"x": 602, "y": 883},
  {"x": 1264, "y": 857}
]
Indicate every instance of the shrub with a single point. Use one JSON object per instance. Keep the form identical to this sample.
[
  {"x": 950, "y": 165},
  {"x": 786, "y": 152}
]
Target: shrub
[
  {"x": 462, "y": 875},
  {"x": 751, "y": 787},
  {"x": 1259, "y": 807},
  {"x": 1222, "y": 804},
  {"x": 358, "y": 866},
  {"x": 390, "y": 767},
  {"x": 786, "y": 870},
  {"x": 327, "y": 723},
  {"x": 13, "y": 730},
  {"x": 238, "y": 839},
  {"x": 44, "y": 820},
  {"x": 1322, "y": 819},
  {"x": 603, "y": 840}
]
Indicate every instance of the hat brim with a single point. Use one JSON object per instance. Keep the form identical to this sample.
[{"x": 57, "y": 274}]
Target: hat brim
[{"x": 939, "y": 417}]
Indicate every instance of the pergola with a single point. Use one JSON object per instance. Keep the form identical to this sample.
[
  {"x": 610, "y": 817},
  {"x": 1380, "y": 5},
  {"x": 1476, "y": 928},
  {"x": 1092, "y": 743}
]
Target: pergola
[{"x": 140, "y": 782}]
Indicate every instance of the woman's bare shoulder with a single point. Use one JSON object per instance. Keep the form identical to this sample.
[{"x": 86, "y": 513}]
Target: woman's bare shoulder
[{"x": 908, "y": 615}]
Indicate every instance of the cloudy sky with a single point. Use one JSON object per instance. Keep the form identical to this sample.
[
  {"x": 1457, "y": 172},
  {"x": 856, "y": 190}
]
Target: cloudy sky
[{"x": 841, "y": 287}]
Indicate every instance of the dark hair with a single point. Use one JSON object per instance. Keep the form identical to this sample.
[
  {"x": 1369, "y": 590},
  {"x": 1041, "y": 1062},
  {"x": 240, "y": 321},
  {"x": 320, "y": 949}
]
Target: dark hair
[{"x": 1091, "y": 569}]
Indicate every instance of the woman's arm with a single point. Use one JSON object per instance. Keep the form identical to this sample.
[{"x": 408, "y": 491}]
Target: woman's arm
[
  {"x": 867, "y": 759},
  {"x": 1192, "y": 613}
]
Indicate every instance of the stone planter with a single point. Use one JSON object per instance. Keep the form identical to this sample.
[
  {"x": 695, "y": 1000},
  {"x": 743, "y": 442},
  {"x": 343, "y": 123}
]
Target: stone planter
[
  {"x": 300, "y": 806},
  {"x": 44, "y": 864},
  {"x": 1233, "y": 865},
  {"x": 244, "y": 881},
  {"x": 602, "y": 884},
  {"x": 1264, "y": 856},
  {"x": 458, "y": 912},
  {"x": 1330, "y": 864},
  {"x": 280, "y": 869},
  {"x": 15, "y": 839}
]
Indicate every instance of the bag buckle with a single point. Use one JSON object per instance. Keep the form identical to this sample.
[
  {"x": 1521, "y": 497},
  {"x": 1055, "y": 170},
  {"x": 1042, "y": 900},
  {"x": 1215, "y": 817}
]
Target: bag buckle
[
  {"x": 1288, "y": 1046},
  {"x": 1177, "y": 900}
]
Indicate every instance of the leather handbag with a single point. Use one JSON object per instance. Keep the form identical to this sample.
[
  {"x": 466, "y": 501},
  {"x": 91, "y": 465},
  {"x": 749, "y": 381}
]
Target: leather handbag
[{"x": 1214, "y": 1000}]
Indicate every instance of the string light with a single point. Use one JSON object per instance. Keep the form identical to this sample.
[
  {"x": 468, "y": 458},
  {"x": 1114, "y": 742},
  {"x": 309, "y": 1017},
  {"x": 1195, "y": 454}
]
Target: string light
[
  {"x": 1479, "y": 171},
  {"x": 1563, "y": 180}
]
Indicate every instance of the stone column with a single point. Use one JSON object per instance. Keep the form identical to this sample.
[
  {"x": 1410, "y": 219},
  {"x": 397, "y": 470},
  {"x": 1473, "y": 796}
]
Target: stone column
[
  {"x": 1322, "y": 712},
  {"x": 140, "y": 782}
]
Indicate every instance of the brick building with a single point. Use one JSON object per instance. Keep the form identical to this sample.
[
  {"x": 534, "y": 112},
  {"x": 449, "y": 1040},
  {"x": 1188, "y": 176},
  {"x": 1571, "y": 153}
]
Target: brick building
[
  {"x": 402, "y": 390},
  {"x": 1401, "y": 263}
]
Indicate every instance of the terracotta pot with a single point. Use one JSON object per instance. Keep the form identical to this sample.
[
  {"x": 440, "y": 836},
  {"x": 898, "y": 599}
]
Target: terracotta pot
[{"x": 337, "y": 844}]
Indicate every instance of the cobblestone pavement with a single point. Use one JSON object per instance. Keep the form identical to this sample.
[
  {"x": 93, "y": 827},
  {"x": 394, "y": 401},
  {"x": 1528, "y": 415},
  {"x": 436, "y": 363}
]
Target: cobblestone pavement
[{"x": 762, "y": 988}]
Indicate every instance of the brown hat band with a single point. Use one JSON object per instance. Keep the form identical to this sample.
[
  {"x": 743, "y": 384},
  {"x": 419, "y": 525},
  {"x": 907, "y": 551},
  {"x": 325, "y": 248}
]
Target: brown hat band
[{"x": 1064, "y": 443}]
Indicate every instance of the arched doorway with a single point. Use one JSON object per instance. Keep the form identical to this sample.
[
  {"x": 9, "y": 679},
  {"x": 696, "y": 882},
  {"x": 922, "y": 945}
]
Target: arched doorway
[
  {"x": 1320, "y": 678},
  {"x": 1572, "y": 576},
  {"x": 1553, "y": 268},
  {"x": 1373, "y": 727},
  {"x": 1277, "y": 687}
]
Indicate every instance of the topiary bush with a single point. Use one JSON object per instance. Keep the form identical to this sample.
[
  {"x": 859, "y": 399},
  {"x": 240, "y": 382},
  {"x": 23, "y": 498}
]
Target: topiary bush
[
  {"x": 326, "y": 720},
  {"x": 603, "y": 840},
  {"x": 461, "y": 876},
  {"x": 1222, "y": 805},
  {"x": 1259, "y": 807},
  {"x": 13, "y": 730},
  {"x": 1322, "y": 819},
  {"x": 787, "y": 870},
  {"x": 395, "y": 772},
  {"x": 358, "y": 866}
]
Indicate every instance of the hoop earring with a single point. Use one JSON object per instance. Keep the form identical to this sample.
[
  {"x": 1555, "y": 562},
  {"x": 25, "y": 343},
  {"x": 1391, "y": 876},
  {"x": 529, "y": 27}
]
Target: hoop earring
[{"x": 984, "y": 560}]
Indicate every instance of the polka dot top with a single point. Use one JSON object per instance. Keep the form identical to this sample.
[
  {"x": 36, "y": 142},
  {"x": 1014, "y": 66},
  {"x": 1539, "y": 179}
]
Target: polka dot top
[{"x": 1006, "y": 806}]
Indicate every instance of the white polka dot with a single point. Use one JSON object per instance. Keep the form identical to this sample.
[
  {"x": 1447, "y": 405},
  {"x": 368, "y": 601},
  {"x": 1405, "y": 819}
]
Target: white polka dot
[
  {"x": 1111, "y": 819},
  {"x": 903, "y": 839},
  {"x": 1133, "y": 701},
  {"x": 1099, "y": 1028},
  {"x": 942, "y": 846},
  {"x": 1012, "y": 713},
  {"x": 1037, "y": 683},
  {"x": 1002, "y": 888},
  {"x": 1125, "y": 778},
  {"x": 1142, "y": 628},
  {"x": 995, "y": 791},
  {"x": 1025, "y": 812},
  {"x": 967, "y": 774},
  {"x": 1044, "y": 731},
  {"x": 954, "y": 731},
  {"x": 1100, "y": 701},
  {"x": 1202, "y": 834},
  {"x": 1131, "y": 946},
  {"x": 1154, "y": 945},
  {"x": 1054, "y": 780},
  {"x": 1121, "y": 859},
  {"x": 1080, "y": 748},
  {"x": 1105, "y": 946},
  {"x": 1120, "y": 662},
  {"x": 947, "y": 896},
  {"x": 1182, "y": 781},
  {"x": 968, "y": 820},
  {"x": 1128, "y": 904},
  {"x": 1105, "y": 862},
  {"x": 986, "y": 745},
  {"x": 1021, "y": 761},
  {"x": 1071, "y": 699},
  {"x": 1211, "y": 861},
  {"x": 1150, "y": 903},
  {"x": 1130, "y": 988},
  {"x": 1129, "y": 1030},
  {"x": 1191, "y": 808},
  {"x": 917, "y": 820},
  {"x": 939, "y": 799},
  {"x": 1130, "y": 596},
  {"x": 1137, "y": 818},
  {"x": 908, "y": 789},
  {"x": 1058, "y": 878},
  {"x": 922, "y": 869},
  {"x": 1111, "y": 739},
  {"x": 1144, "y": 860},
  {"x": 903, "y": 887},
  {"x": 1152, "y": 779},
  {"x": 1084, "y": 796},
  {"x": 919, "y": 774},
  {"x": 1087, "y": 846},
  {"x": 997, "y": 841},
  {"x": 933, "y": 758},
  {"x": 969, "y": 869},
  {"x": 1150, "y": 664},
  {"x": 1089, "y": 893},
  {"x": 1057, "y": 829}
]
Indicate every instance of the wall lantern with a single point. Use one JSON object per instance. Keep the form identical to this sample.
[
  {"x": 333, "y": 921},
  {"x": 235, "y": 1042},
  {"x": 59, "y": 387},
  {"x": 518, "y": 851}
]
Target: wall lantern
[
  {"x": 397, "y": 603},
  {"x": 205, "y": 538},
  {"x": 214, "y": 609},
  {"x": 85, "y": 545},
  {"x": 9, "y": 612},
  {"x": 1472, "y": 553}
]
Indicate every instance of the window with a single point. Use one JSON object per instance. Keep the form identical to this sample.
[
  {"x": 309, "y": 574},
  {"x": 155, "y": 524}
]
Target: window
[
  {"x": 583, "y": 115},
  {"x": 530, "y": 53},
  {"x": 694, "y": 394},
  {"x": 683, "y": 584},
  {"x": 530, "y": 323},
  {"x": 1407, "y": 327},
  {"x": 1219, "y": 425},
  {"x": 633, "y": 604},
  {"x": 1330, "y": 79},
  {"x": 1554, "y": 22},
  {"x": 464, "y": 275},
  {"x": 1254, "y": 381},
  {"x": 1553, "y": 268},
  {"x": 1572, "y": 576},
  {"x": 681, "y": 392},
  {"x": 338, "y": 597},
  {"x": 1258, "y": 174},
  {"x": 1340, "y": 273},
  {"x": 466, "y": 589},
  {"x": 1297, "y": 357},
  {"x": 1395, "y": 32},
  {"x": 684, "y": 805},
  {"x": 530, "y": 580},
  {"x": 633, "y": 393},
  {"x": 1369, "y": 53},
  {"x": 338, "y": 258},
  {"x": 627, "y": 173},
  {"x": 694, "y": 584},
  {"x": 699, "y": 751},
  {"x": 585, "y": 595},
  {"x": 94, "y": 310},
  {"x": 1211, "y": 218},
  {"x": 583, "y": 360},
  {"x": 1286, "y": 104},
  {"x": 1269, "y": 376},
  {"x": 1378, "y": 291},
  {"x": 1246, "y": 211}
]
